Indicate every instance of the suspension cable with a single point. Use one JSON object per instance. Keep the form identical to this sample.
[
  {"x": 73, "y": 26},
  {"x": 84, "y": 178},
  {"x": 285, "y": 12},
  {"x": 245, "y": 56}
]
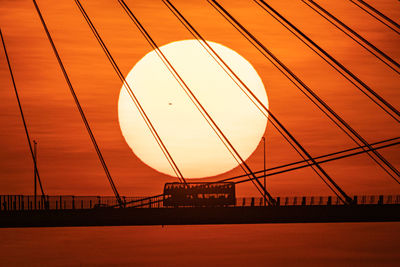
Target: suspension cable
[
  {"x": 314, "y": 98},
  {"x": 132, "y": 95},
  {"x": 198, "y": 105},
  {"x": 300, "y": 149},
  {"x": 377, "y": 15},
  {"x": 81, "y": 112},
  {"x": 22, "y": 115}
]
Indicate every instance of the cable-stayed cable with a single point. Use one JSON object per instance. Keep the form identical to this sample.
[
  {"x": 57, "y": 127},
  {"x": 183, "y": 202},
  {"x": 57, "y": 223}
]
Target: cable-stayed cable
[
  {"x": 314, "y": 98},
  {"x": 319, "y": 162},
  {"x": 78, "y": 105},
  {"x": 375, "y": 97},
  {"x": 395, "y": 66},
  {"x": 336, "y": 65},
  {"x": 198, "y": 105},
  {"x": 22, "y": 115},
  {"x": 246, "y": 90},
  {"x": 282, "y": 168},
  {"x": 323, "y": 159},
  {"x": 388, "y": 22},
  {"x": 132, "y": 95},
  {"x": 320, "y": 172}
]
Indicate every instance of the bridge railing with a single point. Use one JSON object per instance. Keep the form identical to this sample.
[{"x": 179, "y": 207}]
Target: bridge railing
[
  {"x": 320, "y": 200},
  {"x": 25, "y": 202}
]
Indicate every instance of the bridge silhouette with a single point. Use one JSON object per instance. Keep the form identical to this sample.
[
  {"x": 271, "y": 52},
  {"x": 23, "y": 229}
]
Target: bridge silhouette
[{"x": 191, "y": 208}]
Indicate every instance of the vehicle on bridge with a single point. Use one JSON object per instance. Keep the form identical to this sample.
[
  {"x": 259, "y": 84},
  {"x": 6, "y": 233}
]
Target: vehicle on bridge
[{"x": 199, "y": 194}]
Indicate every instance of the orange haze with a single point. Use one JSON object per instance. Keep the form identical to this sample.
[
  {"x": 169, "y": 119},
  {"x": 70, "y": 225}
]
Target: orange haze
[{"x": 67, "y": 160}]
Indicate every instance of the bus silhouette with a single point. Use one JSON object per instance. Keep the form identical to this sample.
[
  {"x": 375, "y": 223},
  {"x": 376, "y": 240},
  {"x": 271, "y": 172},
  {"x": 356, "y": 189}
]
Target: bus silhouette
[{"x": 199, "y": 194}]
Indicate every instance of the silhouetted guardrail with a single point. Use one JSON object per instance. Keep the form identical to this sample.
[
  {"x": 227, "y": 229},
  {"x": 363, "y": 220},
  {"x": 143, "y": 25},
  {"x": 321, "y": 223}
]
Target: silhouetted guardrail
[{"x": 25, "y": 202}]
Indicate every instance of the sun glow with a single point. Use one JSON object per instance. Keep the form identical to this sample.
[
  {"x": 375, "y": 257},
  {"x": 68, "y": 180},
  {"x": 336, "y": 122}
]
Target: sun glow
[{"x": 191, "y": 142}]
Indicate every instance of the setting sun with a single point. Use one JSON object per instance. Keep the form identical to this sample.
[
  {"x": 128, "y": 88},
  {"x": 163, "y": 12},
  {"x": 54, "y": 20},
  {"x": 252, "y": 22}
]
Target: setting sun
[{"x": 190, "y": 140}]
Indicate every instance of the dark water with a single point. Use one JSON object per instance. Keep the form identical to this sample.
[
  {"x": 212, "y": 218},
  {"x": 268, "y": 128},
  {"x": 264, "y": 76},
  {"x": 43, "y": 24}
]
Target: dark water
[{"x": 350, "y": 244}]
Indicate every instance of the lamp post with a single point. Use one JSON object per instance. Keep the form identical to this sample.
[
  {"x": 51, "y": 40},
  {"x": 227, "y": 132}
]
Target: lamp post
[
  {"x": 34, "y": 172},
  {"x": 263, "y": 138}
]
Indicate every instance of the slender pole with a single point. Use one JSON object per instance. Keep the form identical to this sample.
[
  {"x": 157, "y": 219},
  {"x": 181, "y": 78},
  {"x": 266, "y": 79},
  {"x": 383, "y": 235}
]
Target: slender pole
[
  {"x": 263, "y": 138},
  {"x": 34, "y": 171}
]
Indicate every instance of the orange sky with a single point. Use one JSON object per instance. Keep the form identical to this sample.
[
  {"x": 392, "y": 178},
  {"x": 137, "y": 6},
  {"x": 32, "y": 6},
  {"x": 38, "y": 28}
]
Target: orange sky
[{"x": 67, "y": 160}]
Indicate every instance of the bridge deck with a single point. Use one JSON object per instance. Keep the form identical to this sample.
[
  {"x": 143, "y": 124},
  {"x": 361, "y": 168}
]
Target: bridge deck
[{"x": 200, "y": 215}]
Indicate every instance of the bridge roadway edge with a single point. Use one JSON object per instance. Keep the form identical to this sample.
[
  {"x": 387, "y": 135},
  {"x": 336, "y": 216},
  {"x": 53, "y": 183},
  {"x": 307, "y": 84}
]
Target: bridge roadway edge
[{"x": 199, "y": 215}]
